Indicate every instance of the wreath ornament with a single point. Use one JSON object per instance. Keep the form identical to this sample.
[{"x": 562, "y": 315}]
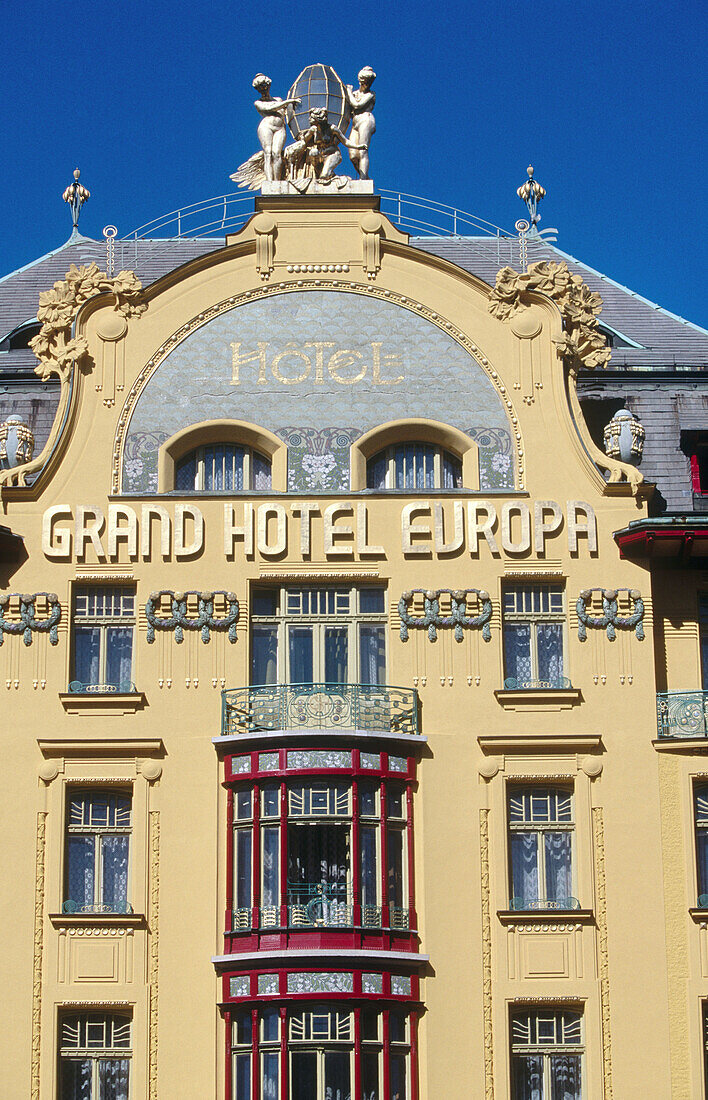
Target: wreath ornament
[
  {"x": 179, "y": 620},
  {"x": 28, "y": 623},
  {"x": 432, "y": 620},
  {"x": 610, "y": 620}
]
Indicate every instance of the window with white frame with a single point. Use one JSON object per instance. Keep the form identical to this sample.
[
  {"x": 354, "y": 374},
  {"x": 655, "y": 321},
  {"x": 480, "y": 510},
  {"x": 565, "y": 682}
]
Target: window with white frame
[
  {"x": 333, "y": 635},
  {"x": 103, "y": 626},
  {"x": 546, "y": 1055},
  {"x": 541, "y": 832},
  {"x": 98, "y": 832},
  {"x": 414, "y": 466},
  {"x": 534, "y": 636},
  {"x": 322, "y": 1054},
  {"x": 222, "y": 467},
  {"x": 94, "y": 1056},
  {"x": 701, "y": 820}
]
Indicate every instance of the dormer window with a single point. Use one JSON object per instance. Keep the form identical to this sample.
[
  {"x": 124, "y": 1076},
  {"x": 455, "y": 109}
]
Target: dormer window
[
  {"x": 222, "y": 467},
  {"x": 414, "y": 466}
]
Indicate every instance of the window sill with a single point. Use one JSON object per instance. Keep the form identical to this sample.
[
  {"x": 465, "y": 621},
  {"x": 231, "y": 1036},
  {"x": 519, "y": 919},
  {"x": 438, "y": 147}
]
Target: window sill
[
  {"x": 700, "y": 916},
  {"x": 546, "y": 916},
  {"x": 108, "y": 703},
  {"x": 114, "y": 920},
  {"x": 539, "y": 698}
]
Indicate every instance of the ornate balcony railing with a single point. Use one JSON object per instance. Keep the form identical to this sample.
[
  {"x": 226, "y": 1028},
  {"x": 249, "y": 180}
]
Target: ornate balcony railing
[
  {"x": 531, "y": 905},
  {"x": 682, "y": 714},
  {"x": 79, "y": 908},
  {"x": 320, "y": 914},
  {"x": 126, "y": 687},
  {"x": 368, "y": 707},
  {"x": 702, "y": 902},
  {"x": 561, "y": 683}
]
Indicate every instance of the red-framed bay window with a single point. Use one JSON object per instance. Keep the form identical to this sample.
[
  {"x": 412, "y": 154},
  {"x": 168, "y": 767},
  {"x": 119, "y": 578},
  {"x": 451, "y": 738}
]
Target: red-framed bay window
[
  {"x": 320, "y": 847},
  {"x": 321, "y": 1035}
]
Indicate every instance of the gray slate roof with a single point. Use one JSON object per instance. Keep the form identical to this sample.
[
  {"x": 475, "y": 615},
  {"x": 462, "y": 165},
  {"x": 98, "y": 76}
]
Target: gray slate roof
[{"x": 665, "y": 341}]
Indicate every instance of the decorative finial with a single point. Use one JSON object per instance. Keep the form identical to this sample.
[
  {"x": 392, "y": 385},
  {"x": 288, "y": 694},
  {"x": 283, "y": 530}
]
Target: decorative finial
[
  {"x": 531, "y": 193},
  {"x": 76, "y": 195}
]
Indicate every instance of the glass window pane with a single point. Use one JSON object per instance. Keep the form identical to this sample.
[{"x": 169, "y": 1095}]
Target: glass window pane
[
  {"x": 370, "y": 1024},
  {"x": 549, "y": 644},
  {"x": 76, "y": 1079},
  {"x": 301, "y": 655},
  {"x": 528, "y": 1077},
  {"x": 264, "y": 669},
  {"x": 376, "y": 469},
  {"x": 186, "y": 473},
  {"x": 394, "y": 801},
  {"x": 559, "y": 871},
  {"x": 303, "y": 1075},
  {"x": 81, "y": 861},
  {"x": 371, "y": 601},
  {"x": 524, "y": 866},
  {"x": 452, "y": 472},
  {"x": 269, "y": 1025},
  {"x": 113, "y": 1076},
  {"x": 271, "y": 800},
  {"x": 398, "y": 1076},
  {"x": 372, "y": 654},
  {"x": 243, "y": 868},
  {"x": 397, "y": 1026},
  {"x": 243, "y": 804},
  {"x": 114, "y": 857},
  {"x": 242, "y": 1077},
  {"x": 264, "y": 601},
  {"x": 337, "y": 1073},
  {"x": 368, "y": 802},
  {"x": 369, "y": 874},
  {"x": 271, "y": 847},
  {"x": 565, "y": 1077},
  {"x": 262, "y": 478},
  {"x": 370, "y": 1087},
  {"x": 395, "y": 868},
  {"x": 702, "y": 846},
  {"x": 87, "y": 642},
  {"x": 517, "y": 651},
  {"x": 269, "y": 1077},
  {"x": 119, "y": 654},
  {"x": 336, "y": 654}
]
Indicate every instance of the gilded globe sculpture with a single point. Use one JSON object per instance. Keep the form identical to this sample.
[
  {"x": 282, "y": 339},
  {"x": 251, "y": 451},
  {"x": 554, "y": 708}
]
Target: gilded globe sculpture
[{"x": 318, "y": 111}]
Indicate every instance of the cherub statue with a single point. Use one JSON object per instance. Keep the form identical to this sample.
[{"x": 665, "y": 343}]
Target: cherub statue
[
  {"x": 272, "y": 133},
  {"x": 361, "y": 104},
  {"x": 316, "y": 154}
]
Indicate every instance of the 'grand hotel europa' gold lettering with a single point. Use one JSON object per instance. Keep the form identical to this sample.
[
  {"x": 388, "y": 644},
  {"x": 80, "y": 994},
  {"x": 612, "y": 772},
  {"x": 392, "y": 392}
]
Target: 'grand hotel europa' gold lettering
[{"x": 296, "y": 363}]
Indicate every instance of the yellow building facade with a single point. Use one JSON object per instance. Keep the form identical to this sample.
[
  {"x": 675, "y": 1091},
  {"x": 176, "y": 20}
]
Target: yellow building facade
[{"x": 329, "y": 702}]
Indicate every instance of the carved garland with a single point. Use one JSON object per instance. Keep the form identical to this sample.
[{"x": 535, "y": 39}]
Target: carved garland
[
  {"x": 610, "y": 620},
  {"x": 28, "y": 623},
  {"x": 432, "y": 619},
  {"x": 57, "y": 350},
  {"x": 582, "y": 344},
  {"x": 179, "y": 620}
]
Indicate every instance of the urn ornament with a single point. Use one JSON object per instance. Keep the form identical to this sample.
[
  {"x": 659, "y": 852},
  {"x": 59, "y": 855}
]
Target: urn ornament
[
  {"x": 16, "y": 442},
  {"x": 624, "y": 437}
]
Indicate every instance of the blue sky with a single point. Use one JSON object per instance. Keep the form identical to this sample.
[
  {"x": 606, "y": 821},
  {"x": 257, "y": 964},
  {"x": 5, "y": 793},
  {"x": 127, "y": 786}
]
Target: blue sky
[{"x": 153, "y": 101}]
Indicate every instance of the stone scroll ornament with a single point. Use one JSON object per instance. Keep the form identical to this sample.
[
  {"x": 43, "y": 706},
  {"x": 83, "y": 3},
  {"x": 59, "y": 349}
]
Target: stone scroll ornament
[
  {"x": 180, "y": 620},
  {"x": 58, "y": 350},
  {"x": 583, "y": 344},
  {"x": 28, "y": 623},
  {"x": 433, "y": 620},
  {"x": 610, "y": 620}
]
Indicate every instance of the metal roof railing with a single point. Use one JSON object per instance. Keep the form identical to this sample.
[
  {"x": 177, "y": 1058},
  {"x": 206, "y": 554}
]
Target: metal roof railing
[{"x": 224, "y": 213}]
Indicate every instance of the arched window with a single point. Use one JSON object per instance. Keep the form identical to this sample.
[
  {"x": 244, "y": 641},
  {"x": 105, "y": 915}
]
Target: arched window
[
  {"x": 414, "y": 465},
  {"x": 223, "y": 467}
]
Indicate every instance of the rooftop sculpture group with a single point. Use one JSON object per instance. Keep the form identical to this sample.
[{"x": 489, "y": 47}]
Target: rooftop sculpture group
[{"x": 318, "y": 110}]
